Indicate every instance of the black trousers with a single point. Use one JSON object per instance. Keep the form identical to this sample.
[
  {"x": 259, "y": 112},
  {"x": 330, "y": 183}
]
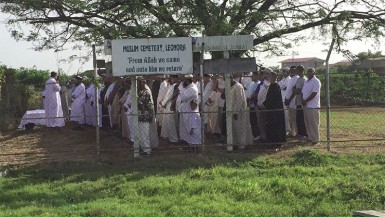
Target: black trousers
[
  {"x": 301, "y": 129},
  {"x": 254, "y": 122},
  {"x": 224, "y": 122}
]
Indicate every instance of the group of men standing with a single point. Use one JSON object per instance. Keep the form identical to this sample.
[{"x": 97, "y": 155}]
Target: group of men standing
[
  {"x": 55, "y": 100},
  {"x": 263, "y": 109}
]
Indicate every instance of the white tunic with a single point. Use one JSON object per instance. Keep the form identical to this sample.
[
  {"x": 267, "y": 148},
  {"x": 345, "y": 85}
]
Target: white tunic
[
  {"x": 169, "y": 118},
  {"x": 194, "y": 126},
  {"x": 178, "y": 99},
  {"x": 241, "y": 126},
  {"x": 77, "y": 106},
  {"x": 52, "y": 104},
  {"x": 212, "y": 125},
  {"x": 186, "y": 95},
  {"x": 154, "y": 140},
  {"x": 206, "y": 94},
  {"x": 263, "y": 92},
  {"x": 89, "y": 105},
  {"x": 130, "y": 120},
  {"x": 162, "y": 94},
  {"x": 221, "y": 85},
  {"x": 289, "y": 90}
]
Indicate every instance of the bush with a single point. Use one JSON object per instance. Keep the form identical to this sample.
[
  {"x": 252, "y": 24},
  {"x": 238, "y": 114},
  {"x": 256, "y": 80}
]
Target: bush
[
  {"x": 354, "y": 88},
  {"x": 16, "y": 91}
]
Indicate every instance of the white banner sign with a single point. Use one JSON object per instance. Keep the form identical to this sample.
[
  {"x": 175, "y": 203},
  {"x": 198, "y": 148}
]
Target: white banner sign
[
  {"x": 223, "y": 43},
  {"x": 152, "y": 56}
]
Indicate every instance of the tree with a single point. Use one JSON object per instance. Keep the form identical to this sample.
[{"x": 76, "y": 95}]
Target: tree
[
  {"x": 275, "y": 23},
  {"x": 366, "y": 55}
]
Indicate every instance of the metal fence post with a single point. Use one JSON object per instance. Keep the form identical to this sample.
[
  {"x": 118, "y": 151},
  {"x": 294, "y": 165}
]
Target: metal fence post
[
  {"x": 229, "y": 113},
  {"x": 135, "y": 115},
  {"x": 202, "y": 103},
  {"x": 328, "y": 96},
  {"x": 96, "y": 104}
]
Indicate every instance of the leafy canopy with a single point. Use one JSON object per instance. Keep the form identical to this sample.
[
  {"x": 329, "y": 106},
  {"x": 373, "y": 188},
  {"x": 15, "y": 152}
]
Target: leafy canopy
[{"x": 275, "y": 23}]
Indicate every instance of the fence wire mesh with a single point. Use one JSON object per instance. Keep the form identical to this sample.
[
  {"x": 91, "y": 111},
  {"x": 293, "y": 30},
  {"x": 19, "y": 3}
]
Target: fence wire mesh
[{"x": 146, "y": 116}]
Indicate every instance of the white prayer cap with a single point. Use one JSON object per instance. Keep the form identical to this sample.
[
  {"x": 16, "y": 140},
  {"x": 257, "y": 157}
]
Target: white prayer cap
[
  {"x": 286, "y": 69},
  {"x": 189, "y": 76}
]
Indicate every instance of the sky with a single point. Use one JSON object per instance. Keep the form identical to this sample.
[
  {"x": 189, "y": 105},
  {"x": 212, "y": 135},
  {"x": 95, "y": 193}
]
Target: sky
[{"x": 18, "y": 54}]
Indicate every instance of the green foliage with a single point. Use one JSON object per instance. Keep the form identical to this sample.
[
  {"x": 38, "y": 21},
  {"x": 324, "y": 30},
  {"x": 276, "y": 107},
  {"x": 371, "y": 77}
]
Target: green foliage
[
  {"x": 354, "y": 88},
  {"x": 34, "y": 77},
  {"x": 266, "y": 19},
  {"x": 16, "y": 90},
  {"x": 253, "y": 186}
]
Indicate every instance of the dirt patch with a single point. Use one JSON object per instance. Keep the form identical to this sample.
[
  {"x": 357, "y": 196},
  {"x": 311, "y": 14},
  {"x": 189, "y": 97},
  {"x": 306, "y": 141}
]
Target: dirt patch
[{"x": 46, "y": 146}]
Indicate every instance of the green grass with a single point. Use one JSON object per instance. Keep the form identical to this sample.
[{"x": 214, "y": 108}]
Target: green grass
[
  {"x": 303, "y": 183},
  {"x": 354, "y": 124}
]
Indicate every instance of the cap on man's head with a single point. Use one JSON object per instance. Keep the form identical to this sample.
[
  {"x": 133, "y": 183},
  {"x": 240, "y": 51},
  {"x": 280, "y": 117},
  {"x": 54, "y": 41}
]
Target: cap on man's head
[
  {"x": 189, "y": 76},
  {"x": 286, "y": 69},
  {"x": 78, "y": 77}
]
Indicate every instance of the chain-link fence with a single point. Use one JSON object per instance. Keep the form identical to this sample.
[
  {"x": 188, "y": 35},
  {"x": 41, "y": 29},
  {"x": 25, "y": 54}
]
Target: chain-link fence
[{"x": 161, "y": 115}]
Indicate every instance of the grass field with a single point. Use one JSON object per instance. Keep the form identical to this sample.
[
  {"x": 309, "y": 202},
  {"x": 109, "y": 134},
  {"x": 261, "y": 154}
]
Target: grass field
[
  {"x": 299, "y": 183},
  {"x": 360, "y": 123},
  {"x": 45, "y": 172}
]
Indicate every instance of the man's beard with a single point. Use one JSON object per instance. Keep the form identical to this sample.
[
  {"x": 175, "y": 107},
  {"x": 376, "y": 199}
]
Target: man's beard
[{"x": 185, "y": 84}]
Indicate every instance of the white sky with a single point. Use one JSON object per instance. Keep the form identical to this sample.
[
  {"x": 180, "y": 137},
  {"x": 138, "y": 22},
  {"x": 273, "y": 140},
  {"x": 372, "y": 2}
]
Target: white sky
[{"x": 18, "y": 54}]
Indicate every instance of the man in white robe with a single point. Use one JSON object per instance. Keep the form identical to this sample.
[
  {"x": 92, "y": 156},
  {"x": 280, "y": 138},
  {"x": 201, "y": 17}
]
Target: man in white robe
[
  {"x": 213, "y": 104},
  {"x": 190, "y": 92},
  {"x": 207, "y": 89},
  {"x": 194, "y": 125},
  {"x": 52, "y": 102},
  {"x": 128, "y": 112},
  {"x": 241, "y": 136},
  {"x": 154, "y": 136},
  {"x": 78, "y": 100},
  {"x": 169, "y": 130},
  {"x": 290, "y": 101},
  {"x": 89, "y": 105},
  {"x": 64, "y": 100},
  {"x": 161, "y": 95}
]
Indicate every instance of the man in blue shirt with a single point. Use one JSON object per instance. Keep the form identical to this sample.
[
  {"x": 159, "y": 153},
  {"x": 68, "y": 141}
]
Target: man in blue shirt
[{"x": 251, "y": 101}]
